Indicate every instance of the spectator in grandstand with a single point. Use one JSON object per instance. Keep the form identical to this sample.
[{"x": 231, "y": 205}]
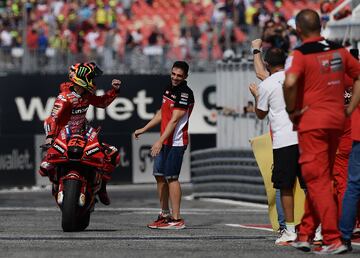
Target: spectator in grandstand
[
  {"x": 6, "y": 41},
  {"x": 275, "y": 34},
  {"x": 92, "y": 39},
  {"x": 176, "y": 108},
  {"x": 185, "y": 43},
  {"x": 127, "y": 7},
  {"x": 269, "y": 99},
  {"x": 313, "y": 91},
  {"x": 129, "y": 48},
  {"x": 43, "y": 43},
  {"x": 240, "y": 15}
]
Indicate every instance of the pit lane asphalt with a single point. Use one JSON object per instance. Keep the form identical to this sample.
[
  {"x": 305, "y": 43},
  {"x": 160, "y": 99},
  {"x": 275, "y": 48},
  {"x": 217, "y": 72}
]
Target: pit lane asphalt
[{"x": 30, "y": 227}]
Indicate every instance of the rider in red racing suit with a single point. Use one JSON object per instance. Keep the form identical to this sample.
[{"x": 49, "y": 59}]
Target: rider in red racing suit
[{"x": 70, "y": 109}]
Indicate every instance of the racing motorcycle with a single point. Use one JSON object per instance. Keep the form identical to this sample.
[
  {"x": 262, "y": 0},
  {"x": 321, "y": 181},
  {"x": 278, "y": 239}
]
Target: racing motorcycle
[{"x": 79, "y": 162}]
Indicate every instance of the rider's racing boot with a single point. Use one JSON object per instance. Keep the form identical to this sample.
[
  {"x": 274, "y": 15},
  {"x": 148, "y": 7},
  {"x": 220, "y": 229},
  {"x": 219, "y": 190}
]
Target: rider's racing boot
[{"x": 103, "y": 196}]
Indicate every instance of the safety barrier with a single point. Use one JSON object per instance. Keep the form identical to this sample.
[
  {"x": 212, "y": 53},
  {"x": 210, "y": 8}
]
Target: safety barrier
[
  {"x": 236, "y": 122},
  {"x": 227, "y": 173}
]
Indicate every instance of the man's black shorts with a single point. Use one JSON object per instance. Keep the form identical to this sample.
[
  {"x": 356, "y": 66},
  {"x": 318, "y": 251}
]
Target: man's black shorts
[{"x": 286, "y": 167}]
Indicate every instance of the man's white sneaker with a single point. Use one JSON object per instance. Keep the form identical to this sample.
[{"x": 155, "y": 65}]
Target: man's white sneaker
[
  {"x": 318, "y": 237},
  {"x": 286, "y": 237}
]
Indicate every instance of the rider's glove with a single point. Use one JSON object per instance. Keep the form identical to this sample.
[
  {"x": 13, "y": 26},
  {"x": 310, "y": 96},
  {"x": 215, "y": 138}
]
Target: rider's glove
[
  {"x": 49, "y": 140},
  {"x": 116, "y": 84}
]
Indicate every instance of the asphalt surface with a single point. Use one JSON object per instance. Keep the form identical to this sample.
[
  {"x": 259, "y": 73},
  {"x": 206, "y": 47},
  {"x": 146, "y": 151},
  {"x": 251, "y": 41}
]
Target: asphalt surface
[{"x": 31, "y": 227}]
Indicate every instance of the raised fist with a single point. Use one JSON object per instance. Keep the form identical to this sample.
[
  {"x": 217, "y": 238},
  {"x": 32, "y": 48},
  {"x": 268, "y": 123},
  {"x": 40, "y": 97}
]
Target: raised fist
[
  {"x": 115, "y": 83},
  {"x": 256, "y": 44}
]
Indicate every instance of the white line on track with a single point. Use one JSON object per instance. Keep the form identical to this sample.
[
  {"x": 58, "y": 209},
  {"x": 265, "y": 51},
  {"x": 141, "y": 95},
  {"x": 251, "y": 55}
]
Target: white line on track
[
  {"x": 47, "y": 188},
  {"x": 88, "y": 237},
  {"x": 137, "y": 210},
  {"x": 264, "y": 229},
  {"x": 249, "y": 227},
  {"x": 232, "y": 202}
]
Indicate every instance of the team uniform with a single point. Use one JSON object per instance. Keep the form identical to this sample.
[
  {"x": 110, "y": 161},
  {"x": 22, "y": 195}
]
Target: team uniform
[
  {"x": 340, "y": 171},
  {"x": 70, "y": 110},
  {"x": 321, "y": 67},
  {"x": 168, "y": 162}
]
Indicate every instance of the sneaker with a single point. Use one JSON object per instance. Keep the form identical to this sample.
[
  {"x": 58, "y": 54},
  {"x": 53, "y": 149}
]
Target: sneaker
[
  {"x": 300, "y": 245},
  {"x": 336, "y": 248},
  {"x": 171, "y": 223},
  {"x": 347, "y": 243},
  {"x": 160, "y": 219},
  {"x": 356, "y": 231},
  {"x": 286, "y": 237},
  {"x": 318, "y": 238}
]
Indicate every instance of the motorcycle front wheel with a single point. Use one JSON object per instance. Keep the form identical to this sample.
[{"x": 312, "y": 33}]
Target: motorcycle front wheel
[
  {"x": 70, "y": 206},
  {"x": 84, "y": 221}
]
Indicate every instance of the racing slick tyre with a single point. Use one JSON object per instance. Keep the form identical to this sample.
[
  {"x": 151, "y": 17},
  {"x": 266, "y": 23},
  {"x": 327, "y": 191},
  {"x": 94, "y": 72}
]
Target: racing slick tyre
[
  {"x": 70, "y": 207},
  {"x": 84, "y": 221}
]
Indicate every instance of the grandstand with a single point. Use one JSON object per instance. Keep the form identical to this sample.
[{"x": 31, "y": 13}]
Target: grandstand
[{"x": 131, "y": 36}]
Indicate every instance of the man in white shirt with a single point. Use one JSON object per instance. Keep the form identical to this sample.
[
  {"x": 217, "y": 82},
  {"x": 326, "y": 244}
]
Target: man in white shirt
[{"x": 269, "y": 100}]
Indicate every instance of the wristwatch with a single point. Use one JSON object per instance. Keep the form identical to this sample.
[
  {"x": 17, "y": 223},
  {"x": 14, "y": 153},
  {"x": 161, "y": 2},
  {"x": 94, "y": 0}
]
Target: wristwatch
[{"x": 256, "y": 51}]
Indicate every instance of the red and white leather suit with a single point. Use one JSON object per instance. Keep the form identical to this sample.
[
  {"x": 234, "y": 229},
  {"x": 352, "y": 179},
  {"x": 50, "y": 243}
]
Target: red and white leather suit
[{"x": 70, "y": 110}]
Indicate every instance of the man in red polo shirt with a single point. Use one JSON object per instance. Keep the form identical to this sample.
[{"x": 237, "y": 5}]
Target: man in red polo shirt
[
  {"x": 313, "y": 92},
  {"x": 177, "y": 105}
]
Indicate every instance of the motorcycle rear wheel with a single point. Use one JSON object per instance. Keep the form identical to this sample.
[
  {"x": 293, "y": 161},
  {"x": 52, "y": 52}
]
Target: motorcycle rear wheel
[{"x": 70, "y": 206}]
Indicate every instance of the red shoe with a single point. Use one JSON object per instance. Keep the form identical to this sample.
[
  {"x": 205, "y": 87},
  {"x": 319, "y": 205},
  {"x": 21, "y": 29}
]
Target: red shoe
[
  {"x": 335, "y": 248},
  {"x": 171, "y": 223},
  {"x": 160, "y": 219}
]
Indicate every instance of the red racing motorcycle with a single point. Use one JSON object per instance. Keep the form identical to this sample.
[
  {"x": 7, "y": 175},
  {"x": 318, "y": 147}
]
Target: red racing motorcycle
[{"x": 80, "y": 162}]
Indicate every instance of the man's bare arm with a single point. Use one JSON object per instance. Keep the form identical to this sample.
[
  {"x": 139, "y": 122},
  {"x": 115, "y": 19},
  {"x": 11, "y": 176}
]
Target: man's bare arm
[
  {"x": 175, "y": 118},
  {"x": 153, "y": 122},
  {"x": 255, "y": 92},
  {"x": 259, "y": 66}
]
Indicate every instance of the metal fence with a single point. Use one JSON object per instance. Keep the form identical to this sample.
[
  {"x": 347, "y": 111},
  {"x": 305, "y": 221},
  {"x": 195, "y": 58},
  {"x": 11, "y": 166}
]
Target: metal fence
[
  {"x": 236, "y": 122},
  {"x": 227, "y": 173},
  {"x": 135, "y": 61}
]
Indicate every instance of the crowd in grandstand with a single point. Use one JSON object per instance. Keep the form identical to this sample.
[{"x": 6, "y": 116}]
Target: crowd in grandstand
[{"x": 132, "y": 33}]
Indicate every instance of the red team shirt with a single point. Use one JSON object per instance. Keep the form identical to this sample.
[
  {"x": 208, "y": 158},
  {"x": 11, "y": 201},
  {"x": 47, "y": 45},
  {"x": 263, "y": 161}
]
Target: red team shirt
[
  {"x": 321, "y": 67},
  {"x": 177, "y": 97}
]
